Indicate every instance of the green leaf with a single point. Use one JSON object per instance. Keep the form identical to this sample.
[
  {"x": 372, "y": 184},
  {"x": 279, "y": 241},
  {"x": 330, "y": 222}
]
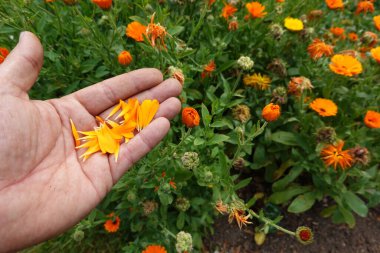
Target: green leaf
[
  {"x": 302, "y": 203},
  {"x": 180, "y": 220},
  {"x": 165, "y": 199},
  {"x": 346, "y": 216},
  {"x": 176, "y": 30},
  {"x": 218, "y": 138},
  {"x": 286, "y": 195},
  {"x": 328, "y": 211},
  {"x": 206, "y": 117},
  {"x": 289, "y": 139},
  {"x": 285, "y": 181},
  {"x": 355, "y": 203},
  {"x": 198, "y": 141},
  {"x": 242, "y": 184}
]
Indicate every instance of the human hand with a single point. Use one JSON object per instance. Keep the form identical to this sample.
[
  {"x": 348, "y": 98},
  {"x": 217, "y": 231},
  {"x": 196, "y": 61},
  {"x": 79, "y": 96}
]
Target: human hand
[{"x": 44, "y": 187}]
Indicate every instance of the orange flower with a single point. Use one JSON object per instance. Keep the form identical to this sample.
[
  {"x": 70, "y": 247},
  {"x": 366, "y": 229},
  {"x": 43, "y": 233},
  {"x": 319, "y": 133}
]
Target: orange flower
[
  {"x": 190, "y": 117},
  {"x": 345, "y": 65},
  {"x": 156, "y": 31},
  {"x": 298, "y": 84},
  {"x": 353, "y": 36},
  {"x": 376, "y": 20},
  {"x": 338, "y": 32},
  {"x": 318, "y": 48},
  {"x": 136, "y": 31},
  {"x": 112, "y": 225},
  {"x": 372, "y": 119},
  {"x": 104, "y": 4},
  {"x": 228, "y": 11},
  {"x": 208, "y": 69},
  {"x": 3, "y": 54},
  {"x": 335, "y": 4},
  {"x": 280, "y": 1},
  {"x": 334, "y": 155},
  {"x": 324, "y": 107},
  {"x": 146, "y": 112},
  {"x": 364, "y": 6},
  {"x": 271, "y": 112},
  {"x": 239, "y": 216},
  {"x": 375, "y": 52},
  {"x": 256, "y": 9},
  {"x": 125, "y": 58},
  {"x": 154, "y": 249}
]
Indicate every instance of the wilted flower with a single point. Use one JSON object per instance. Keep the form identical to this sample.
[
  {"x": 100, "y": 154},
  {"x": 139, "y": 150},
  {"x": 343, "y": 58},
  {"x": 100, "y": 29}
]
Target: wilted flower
[
  {"x": 293, "y": 24},
  {"x": 334, "y": 155},
  {"x": 364, "y": 7},
  {"x": 190, "y": 160},
  {"x": 360, "y": 155},
  {"x": 326, "y": 135},
  {"x": 149, "y": 207},
  {"x": 307, "y": 33},
  {"x": 276, "y": 30},
  {"x": 184, "y": 242},
  {"x": 372, "y": 119},
  {"x": 237, "y": 212},
  {"x": 156, "y": 32},
  {"x": 279, "y": 95},
  {"x": 335, "y": 4},
  {"x": 239, "y": 163},
  {"x": 136, "y": 31},
  {"x": 221, "y": 207},
  {"x": 241, "y": 113},
  {"x": 258, "y": 81},
  {"x": 125, "y": 58},
  {"x": 176, "y": 73},
  {"x": 245, "y": 62},
  {"x": 278, "y": 67},
  {"x": 324, "y": 107},
  {"x": 182, "y": 204},
  {"x": 318, "y": 48},
  {"x": 304, "y": 235},
  {"x": 297, "y": 85},
  {"x": 113, "y": 224},
  {"x": 271, "y": 112},
  {"x": 256, "y": 9},
  {"x": 3, "y": 54},
  {"x": 190, "y": 117}
]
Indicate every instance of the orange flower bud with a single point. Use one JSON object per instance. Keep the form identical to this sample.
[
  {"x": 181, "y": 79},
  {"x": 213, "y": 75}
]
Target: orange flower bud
[
  {"x": 190, "y": 117},
  {"x": 3, "y": 54},
  {"x": 271, "y": 112},
  {"x": 104, "y": 4},
  {"x": 125, "y": 58}
]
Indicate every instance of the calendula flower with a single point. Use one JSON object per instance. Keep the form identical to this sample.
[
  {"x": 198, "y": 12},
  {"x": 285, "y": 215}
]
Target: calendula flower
[
  {"x": 190, "y": 117},
  {"x": 335, "y": 4},
  {"x": 136, "y": 31},
  {"x": 146, "y": 112},
  {"x": 304, "y": 235},
  {"x": 256, "y": 9},
  {"x": 345, "y": 65},
  {"x": 298, "y": 84},
  {"x": 233, "y": 25},
  {"x": 3, "y": 54},
  {"x": 239, "y": 216},
  {"x": 334, "y": 155},
  {"x": 375, "y": 52},
  {"x": 104, "y": 4},
  {"x": 318, "y": 48},
  {"x": 364, "y": 7},
  {"x": 376, "y": 21},
  {"x": 208, "y": 69},
  {"x": 338, "y": 32},
  {"x": 372, "y": 119},
  {"x": 324, "y": 107},
  {"x": 125, "y": 58},
  {"x": 228, "y": 11},
  {"x": 293, "y": 24},
  {"x": 258, "y": 81},
  {"x": 353, "y": 36},
  {"x": 112, "y": 225},
  {"x": 154, "y": 249},
  {"x": 155, "y": 32},
  {"x": 271, "y": 112}
]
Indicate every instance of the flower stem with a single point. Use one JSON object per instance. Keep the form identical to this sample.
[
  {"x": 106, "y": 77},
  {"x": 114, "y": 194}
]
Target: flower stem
[{"x": 270, "y": 223}]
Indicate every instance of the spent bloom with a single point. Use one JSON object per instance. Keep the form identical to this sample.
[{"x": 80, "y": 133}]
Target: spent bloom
[
  {"x": 190, "y": 160},
  {"x": 176, "y": 73},
  {"x": 293, "y": 24},
  {"x": 136, "y": 31},
  {"x": 297, "y": 85},
  {"x": 345, "y": 65},
  {"x": 112, "y": 225},
  {"x": 279, "y": 95},
  {"x": 271, "y": 112},
  {"x": 190, "y": 117},
  {"x": 278, "y": 67},
  {"x": 245, "y": 62},
  {"x": 241, "y": 113},
  {"x": 326, "y": 135},
  {"x": 228, "y": 11},
  {"x": 334, "y": 155},
  {"x": 233, "y": 25},
  {"x": 149, "y": 206},
  {"x": 184, "y": 242},
  {"x": 364, "y": 7},
  {"x": 258, "y": 81},
  {"x": 304, "y": 235},
  {"x": 335, "y": 4},
  {"x": 156, "y": 32},
  {"x": 103, "y": 4},
  {"x": 125, "y": 58},
  {"x": 154, "y": 249},
  {"x": 375, "y": 52},
  {"x": 3, "y": 54},
  {"x": 372, "y": 119},
  {"x": 318, "y": 49},
  {"x": 360, "y": 155},
  {"x": 324, "y": 107},
  {"x": 256, "y": 9},
  {"x": 276, "y": 31},
  {"x": 369, "y": 38}
]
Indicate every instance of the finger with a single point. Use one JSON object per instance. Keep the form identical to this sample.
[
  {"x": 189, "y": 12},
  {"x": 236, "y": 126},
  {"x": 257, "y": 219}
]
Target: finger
[
  {"x": 101, "y": 96},
  {"x": 20, "y": 69},
  {"x": 138, "y": 147},
  {"x": 168, "y": 88},
  {"x": 169, "y": 108}
]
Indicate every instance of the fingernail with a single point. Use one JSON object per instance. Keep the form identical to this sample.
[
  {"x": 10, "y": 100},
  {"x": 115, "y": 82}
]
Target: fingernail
[{"x": 22, "y": 34}]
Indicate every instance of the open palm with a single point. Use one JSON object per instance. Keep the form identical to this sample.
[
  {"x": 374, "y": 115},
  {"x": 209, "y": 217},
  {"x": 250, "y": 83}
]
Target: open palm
[{"x": 44, "y": 187}]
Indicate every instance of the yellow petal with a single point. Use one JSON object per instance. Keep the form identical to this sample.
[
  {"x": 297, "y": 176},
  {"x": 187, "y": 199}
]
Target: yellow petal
[{"x": 75, "y": 133}]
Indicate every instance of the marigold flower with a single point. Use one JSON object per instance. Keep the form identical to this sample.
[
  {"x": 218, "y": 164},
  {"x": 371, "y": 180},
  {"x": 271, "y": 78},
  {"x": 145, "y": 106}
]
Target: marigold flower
[
  {"x": 228, "y": 11},
  {"x": 324, "y": 107},
  {"x": 146, "y": 112},
  {"x": 104, "y": 4},
  {"x": 271, "y": 112},
  {"x": 258, "y": 81},
  {"x": 372, "y": 119},
  {"x": 256, "y": 9},
  {"x": 375, "y": 52},
  {"x": 338, "y": 32},
  {"x": 298, "y": 84},
  {"x": 3, "y": 54},
  {"x": 334, "y": 155},
  {"x": 125, "y": 58},
  {"x": 345, "y": 65},
  {"x": 353, "y": 36},
  {"x": 208, "y": 69},
  {"x": 136, "y": 31},
  {"x": 304, "y": 235},
  {"x": 376, "y": 20},
  {"x": 112, "y": 225},
  {"x": 318, "y": 48},
  {"x": 190, "y": 117},
  {"x": 364, "y": 6},
  {"x": 293, "y": 24},
  {"x": 334, "y": 4},
  {"x": 156, "y": 31},
  {"x": 154, "y": 249}
]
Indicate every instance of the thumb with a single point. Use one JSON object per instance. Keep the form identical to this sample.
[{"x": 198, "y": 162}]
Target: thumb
[{"x": 20, "y": 69}]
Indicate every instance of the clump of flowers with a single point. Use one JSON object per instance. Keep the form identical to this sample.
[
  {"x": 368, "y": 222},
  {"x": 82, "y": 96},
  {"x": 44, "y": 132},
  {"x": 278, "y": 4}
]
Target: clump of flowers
[
  {"x": 184, "y": 242},
  {"x": 190, "y": 117},
  {"x": 136, "y": 31},
  {"x": 112, "y": 225},
  {"x": 318, "y": 49},
  {"x": 271, "y": 112},
  {"x": 345, "y": 65},
  {"x": 241, "y": 113},
  {"x": 304, "y": 235},
  {"x": 334, "y": 155},
  {"x": 293, "y": 24},
  {"x": 245, "y": 62},
  {"x": 190, "y": 160},
  {"x": 258, "y": 81},
  {"x": 324, "y": 107},
  {"x": 372, "y": 119},
  {"x": 298, "y": 85}
]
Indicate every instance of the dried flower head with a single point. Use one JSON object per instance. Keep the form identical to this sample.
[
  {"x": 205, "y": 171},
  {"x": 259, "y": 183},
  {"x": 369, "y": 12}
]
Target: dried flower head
[
  {"x": 304, "y": 235},
  {"x": 184, "y": 242},
  {"x": 241, "y": 113},
  {"x": 345, "y": 65},
  {"x": 314, "y": 14},
  {"x": 318, "y": 48},
  {"x": 334, "y": 155},
  {"x": 136, "y": 31},
  {"x": 112, "y": 225},
  {"x": 239, "y": 163},
  {"x": 245, "y": 62},
  {"x": 278, "y": 67},
  {"x": 372, "y": 119},
  {"x": 293, "y": 24},
  {"x": 271, "y": 112},
  {"x": 360, "y": 155},
  {"x": 326, "y": 135},
  {"x": 149, "y": 207},
  {"x": 156, "y": 32},
  {"x": 233, "y": 25},
  {"x": 279, "y": 95},
  {"x": 324, "y": 107},
  {"x": 190, "y": 117},
  {"x": 258, "y": 81},
  {"x": 276, "y": 31},
  {"x": 190, "y": 160},
  {"x": 298, "y": 85},
  {"x": 221, "y": 207},
  {"x": 237, "y": 212}
]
